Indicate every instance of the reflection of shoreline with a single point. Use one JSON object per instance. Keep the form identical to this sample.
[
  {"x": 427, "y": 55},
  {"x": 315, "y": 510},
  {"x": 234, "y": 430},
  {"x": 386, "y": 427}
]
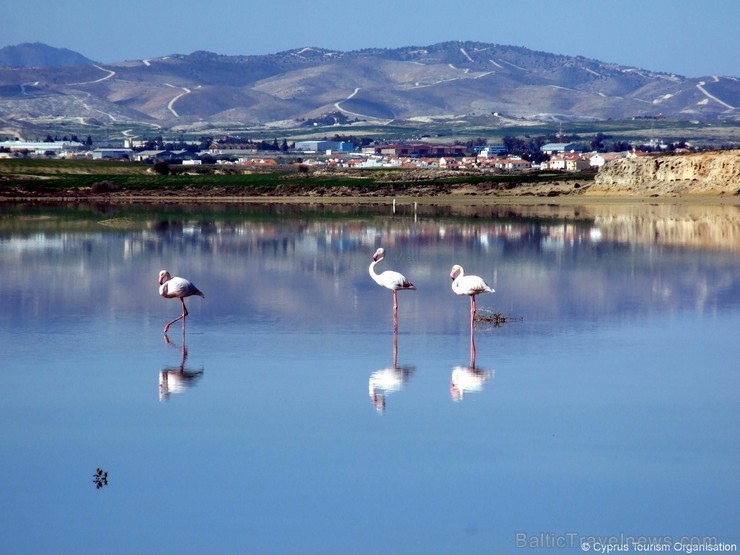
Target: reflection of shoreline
[
  {"x": 707, "y": 227},
  {"x": 711, "y": 225}
]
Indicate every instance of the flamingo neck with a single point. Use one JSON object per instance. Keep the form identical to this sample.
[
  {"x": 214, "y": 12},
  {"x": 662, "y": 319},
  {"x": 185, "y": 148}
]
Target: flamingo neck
[
  {"x": 456, "y": 285},
  {"x": 373, "y": 274}
]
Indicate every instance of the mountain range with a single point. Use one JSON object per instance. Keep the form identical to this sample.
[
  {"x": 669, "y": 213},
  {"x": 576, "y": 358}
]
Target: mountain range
[{"x": 307, "y": 86}]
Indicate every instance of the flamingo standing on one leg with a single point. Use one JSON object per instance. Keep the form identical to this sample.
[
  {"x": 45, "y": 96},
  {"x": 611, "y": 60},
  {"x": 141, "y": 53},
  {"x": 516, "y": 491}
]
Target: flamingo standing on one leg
[
  {"x": 390, "y": 280},
  {"x": 176, "y": 287},
  {"x": 471, "y": 286}
]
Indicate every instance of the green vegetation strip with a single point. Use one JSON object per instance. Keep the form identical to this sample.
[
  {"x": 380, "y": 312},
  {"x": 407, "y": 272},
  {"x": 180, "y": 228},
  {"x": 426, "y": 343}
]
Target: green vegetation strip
[{"x": 50, "y": 176}]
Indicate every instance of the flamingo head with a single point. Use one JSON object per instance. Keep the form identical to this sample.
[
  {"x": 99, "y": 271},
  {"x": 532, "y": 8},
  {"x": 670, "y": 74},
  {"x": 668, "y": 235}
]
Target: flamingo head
[
  {"x": 379, "y": 254},
  {"x": 456, "y": 271},
  {"x": 164, "y": 276}
]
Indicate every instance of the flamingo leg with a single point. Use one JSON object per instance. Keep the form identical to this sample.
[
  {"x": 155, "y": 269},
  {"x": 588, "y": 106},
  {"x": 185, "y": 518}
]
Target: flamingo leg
[
  {"x": 181, "y": 317},
  {"x": 472, "y": 331},
  {"x": 184, "y": 353},
  {"x": 395, "y": 312}
]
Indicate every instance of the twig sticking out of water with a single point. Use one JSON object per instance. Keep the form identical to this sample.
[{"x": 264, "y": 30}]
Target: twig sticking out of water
[
  {"x": 100, "y": 478},
  {"x": 495, "y": 318}
]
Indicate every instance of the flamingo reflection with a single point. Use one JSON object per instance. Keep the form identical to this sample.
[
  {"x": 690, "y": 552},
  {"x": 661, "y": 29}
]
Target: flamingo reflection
[
  {"x": 468, "y": 379},
  {"x": 385, "y": 381},
  {"x": 176, "y": 379}
]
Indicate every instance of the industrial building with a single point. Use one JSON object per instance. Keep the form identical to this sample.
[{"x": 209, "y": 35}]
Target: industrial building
[{"x": 323, "y": 146}]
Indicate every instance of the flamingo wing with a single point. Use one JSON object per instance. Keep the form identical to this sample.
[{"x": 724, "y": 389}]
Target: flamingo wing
[
  {"x": 471, "y": 285},
  {"x": 178, "y": 287},
  {"x": 395, "y": 281}
]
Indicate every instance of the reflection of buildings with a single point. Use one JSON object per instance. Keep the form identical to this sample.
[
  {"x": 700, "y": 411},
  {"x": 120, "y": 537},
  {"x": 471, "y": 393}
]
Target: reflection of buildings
[
  {"x": 492, "y": 228},
  {"x": 558, "y": 259}
]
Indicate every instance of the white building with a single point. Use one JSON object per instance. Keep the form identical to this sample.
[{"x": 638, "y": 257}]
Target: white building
[
  {"x": 598, "y": 160},
  {"x": 112, "y": 153},
  {"x": 559, "y": 148},
  {"x": 323, "y": 146},
  {"x": 42, "y": 147}
]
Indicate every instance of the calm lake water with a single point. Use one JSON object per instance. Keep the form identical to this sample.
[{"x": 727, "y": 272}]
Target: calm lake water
[{"x": 277, "y": 422}]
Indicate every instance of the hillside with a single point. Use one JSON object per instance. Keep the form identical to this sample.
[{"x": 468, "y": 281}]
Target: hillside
[
  {"x": 445, "y": 81},
  {"x": 40, "y": 55}
]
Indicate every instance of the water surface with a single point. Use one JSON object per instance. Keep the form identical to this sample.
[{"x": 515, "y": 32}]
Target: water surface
[{"x": 283, "y": 420}]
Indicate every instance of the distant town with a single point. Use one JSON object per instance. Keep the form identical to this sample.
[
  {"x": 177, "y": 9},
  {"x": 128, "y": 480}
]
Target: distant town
[{"x": 512, "y": 155}]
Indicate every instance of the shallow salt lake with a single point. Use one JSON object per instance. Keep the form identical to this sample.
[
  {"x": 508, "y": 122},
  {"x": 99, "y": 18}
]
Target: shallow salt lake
[{"x": 277, "y": 421}]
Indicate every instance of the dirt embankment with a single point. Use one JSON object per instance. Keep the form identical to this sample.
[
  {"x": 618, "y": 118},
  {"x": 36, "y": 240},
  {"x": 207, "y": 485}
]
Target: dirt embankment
[{"x": 701, "y": 174}]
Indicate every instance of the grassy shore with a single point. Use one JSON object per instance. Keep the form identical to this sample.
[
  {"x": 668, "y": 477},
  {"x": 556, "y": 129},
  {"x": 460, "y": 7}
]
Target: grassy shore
[
  {"x": 25, "y": 178},
  {"x": 41, "y": 180}
]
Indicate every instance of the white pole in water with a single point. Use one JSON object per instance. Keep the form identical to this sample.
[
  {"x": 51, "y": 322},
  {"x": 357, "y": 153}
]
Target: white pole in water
[
  {"x": 415, "y": 215},
  {"x": 394, "y": 206}
]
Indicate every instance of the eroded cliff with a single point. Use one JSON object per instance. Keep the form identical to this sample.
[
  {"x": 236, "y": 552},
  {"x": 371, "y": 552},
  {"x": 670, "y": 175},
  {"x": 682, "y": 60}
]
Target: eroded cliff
[{"x": 703, "y": 173}]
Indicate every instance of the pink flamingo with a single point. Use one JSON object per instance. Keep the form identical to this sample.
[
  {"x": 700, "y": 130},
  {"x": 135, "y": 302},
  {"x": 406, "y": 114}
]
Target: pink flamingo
[
  {"x": 176, "y": 287},
  {"x": 468, "y": 285},
  {"x": 390, "y": 280}
]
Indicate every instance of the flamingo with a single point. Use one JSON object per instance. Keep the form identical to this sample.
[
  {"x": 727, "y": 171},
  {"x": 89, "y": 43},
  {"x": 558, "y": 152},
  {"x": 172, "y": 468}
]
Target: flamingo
[
  {"x": 390, "y": 280},
  {"x": 176, "y": 287},
  {"x": 468, "y": 285}
]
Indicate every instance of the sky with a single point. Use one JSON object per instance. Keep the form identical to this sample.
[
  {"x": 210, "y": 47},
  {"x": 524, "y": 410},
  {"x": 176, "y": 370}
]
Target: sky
[{"x": 687, "y": 37}]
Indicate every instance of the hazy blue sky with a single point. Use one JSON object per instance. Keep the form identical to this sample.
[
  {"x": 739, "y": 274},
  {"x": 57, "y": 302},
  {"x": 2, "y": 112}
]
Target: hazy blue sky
[{"x": 688, "y": 37}]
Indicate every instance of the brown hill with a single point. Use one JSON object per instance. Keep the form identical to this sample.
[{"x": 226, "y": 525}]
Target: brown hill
[{"x": 443, "y": 81}]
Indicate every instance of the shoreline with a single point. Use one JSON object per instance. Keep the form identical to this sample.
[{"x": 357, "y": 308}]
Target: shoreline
[{"x": 447, "y": 199}]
